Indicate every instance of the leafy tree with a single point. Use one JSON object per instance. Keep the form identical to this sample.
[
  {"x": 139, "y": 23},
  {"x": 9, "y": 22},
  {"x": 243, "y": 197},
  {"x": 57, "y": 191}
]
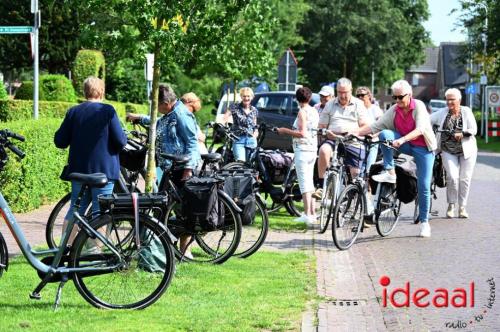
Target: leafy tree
[
  {"x": 349, "y": 38},
  {"x": 473, "y": 21},
  {"x": 173, "y": 31},
  {"x": 58, "y": 36}
]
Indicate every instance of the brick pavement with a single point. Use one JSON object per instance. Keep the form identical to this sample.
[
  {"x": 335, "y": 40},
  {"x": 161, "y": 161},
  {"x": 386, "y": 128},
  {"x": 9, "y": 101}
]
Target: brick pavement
[{"x": 458, "y": 252}]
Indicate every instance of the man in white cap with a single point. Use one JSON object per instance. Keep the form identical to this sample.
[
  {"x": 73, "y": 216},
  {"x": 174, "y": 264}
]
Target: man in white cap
[{"x": 325, "y": 94}]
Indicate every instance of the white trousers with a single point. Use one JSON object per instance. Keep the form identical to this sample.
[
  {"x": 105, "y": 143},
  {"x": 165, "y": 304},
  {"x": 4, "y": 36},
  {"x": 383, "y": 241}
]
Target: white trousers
[
  {"x": 458, "y": 176},
  {"x": 304, "y": 165}
]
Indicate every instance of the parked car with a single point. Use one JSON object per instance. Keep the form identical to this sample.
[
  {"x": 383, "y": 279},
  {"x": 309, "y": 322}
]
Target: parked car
[
  {"x": 225, "y": 102},
  {"x": 278, "y": 109},
  {"x": 436, "y": 104}
]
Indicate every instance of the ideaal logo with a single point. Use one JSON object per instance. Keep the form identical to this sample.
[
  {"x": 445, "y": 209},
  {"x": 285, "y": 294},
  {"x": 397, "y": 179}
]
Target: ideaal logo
[
  {"x": 462, "y": 297},
  {"x": 423, "y": 297}
]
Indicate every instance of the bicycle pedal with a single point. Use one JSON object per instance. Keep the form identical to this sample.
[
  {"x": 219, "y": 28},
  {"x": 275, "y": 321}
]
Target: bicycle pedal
[{"x": 35, "y": 296}]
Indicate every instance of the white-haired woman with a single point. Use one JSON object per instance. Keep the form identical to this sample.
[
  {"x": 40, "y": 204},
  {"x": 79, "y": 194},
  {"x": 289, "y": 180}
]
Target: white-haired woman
[
  {"x": 408, "y": 125},
  {"x": 459, "y": 150}
]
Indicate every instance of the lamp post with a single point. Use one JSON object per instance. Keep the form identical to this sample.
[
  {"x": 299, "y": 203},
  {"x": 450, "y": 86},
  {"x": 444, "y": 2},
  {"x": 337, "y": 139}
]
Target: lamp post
[{"x": 484, "y": 78}]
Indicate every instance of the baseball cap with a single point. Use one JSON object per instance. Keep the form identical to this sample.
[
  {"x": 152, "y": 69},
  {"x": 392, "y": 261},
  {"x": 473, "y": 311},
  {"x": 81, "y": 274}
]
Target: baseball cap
[{"x": 327, "y": 91}]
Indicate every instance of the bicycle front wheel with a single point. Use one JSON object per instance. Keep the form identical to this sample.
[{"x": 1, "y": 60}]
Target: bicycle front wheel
[
  {"x": 254, "y": 234},
  {"x": 326, "y": 202},
  {"x": 348, "y": 217},
  {"x": 140, "y": 273},
  {"x": 387, "y": 210}
]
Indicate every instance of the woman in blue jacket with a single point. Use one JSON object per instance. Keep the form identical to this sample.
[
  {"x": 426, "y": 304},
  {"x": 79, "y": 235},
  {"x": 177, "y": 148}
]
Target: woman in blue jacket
[{"x": 95, "y": 138}]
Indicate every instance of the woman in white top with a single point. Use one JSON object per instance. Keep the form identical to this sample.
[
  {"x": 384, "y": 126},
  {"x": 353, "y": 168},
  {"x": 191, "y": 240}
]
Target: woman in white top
[
  {"x": 459, "y": 150},
  {"x": 305, "y": 148}
]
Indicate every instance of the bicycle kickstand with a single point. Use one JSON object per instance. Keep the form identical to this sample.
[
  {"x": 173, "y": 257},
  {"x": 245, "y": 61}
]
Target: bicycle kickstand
[{"x": 59, "y": 291}]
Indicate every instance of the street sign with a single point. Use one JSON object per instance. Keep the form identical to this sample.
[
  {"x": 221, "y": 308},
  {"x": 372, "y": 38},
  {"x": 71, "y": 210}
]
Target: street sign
[
  {"x": 472, "y": 89},
  {"x": 483, "y": 80},
  {"x": 493, "y": 96},
  {"x": 15, "y": 30}
]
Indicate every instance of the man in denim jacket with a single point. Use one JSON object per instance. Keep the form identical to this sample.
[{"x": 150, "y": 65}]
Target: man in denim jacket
[{"x": 176, "y": 131}]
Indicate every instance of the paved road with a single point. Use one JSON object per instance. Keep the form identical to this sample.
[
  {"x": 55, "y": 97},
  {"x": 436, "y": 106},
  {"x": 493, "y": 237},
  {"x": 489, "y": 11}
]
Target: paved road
[{"x": 458, "y": 253}]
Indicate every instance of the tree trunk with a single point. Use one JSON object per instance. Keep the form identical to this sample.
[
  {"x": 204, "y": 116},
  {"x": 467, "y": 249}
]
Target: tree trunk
[{"x": 151, "y": 169}]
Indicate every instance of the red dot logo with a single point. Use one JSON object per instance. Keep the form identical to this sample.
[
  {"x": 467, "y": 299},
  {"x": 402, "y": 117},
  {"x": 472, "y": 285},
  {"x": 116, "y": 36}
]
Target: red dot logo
[{"x": 384, "y": 281}]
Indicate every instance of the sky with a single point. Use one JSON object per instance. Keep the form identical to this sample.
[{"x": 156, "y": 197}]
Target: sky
[{"x": 441, "y": 24}]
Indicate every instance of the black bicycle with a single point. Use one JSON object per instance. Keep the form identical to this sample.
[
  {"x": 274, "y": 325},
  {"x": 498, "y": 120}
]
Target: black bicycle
[
  {"x": 207, "y": 243},
  {"x": 132, "y": 175}
]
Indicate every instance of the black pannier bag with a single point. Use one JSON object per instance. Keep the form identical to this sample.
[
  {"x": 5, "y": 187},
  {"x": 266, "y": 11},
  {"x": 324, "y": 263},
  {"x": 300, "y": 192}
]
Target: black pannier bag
[
  {"x": 133, "y": 157},
  {"x": 277, "y": 164},
  {"x": 241, "y": 185},
  {"x": 406, "y": 179},
  {"x": 438, "y": 172},
  {"x": 201, "y": 207}
]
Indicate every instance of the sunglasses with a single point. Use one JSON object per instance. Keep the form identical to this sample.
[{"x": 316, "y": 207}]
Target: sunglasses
[
  {"x": 399, "y": 97},
  {"x": 361, "y": 95}
]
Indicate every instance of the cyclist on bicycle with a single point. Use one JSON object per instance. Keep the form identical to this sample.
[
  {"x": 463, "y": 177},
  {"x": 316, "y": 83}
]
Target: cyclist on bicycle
[
  {"x": 408, "y": 125},
  {"x": 344, "y": 113}
]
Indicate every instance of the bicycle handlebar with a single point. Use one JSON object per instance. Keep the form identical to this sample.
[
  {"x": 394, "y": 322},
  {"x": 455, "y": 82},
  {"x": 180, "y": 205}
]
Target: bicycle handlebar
[{"x": 4, "y": 141}]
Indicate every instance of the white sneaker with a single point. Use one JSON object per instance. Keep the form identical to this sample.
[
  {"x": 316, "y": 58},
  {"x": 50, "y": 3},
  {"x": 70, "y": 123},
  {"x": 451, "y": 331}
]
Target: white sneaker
[
  {"x": 302, "y": 218},
  {"x": 450, "y": 213},
  {"x": 462, "y": 213},
  {"x": 425, "y": 229},
  {"x": 385, "y": 176},
  {"x": 311, "y": 219},
  {"x": 188, "y": 255}
]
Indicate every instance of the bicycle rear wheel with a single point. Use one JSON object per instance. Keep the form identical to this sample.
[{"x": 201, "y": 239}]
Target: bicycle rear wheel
[
  {"x": 208, "y": 246},
  {"x": 143, "y": 269},
  {"x": 254, "y": 234},
  {"x": 387, "y": 209},
  {"x": 294, "y": 199},
  {"x": 348, "y": 217}
]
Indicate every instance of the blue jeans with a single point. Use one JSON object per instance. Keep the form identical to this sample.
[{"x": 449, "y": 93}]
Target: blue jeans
[
  {"x": 239, "y": 147},
  {"x": 424, "y": 159},
  {"x": 372, "y": 157},
  {"x": 94, "y": 192}
]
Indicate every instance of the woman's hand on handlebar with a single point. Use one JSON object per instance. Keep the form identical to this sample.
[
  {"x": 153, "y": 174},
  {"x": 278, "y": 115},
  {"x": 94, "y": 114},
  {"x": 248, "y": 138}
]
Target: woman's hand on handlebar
[{"x": 398, "y": 142}]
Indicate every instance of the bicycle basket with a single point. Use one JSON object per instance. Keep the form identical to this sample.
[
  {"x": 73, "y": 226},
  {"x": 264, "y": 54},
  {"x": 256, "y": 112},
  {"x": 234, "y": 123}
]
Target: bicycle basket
[{"x": 133, "y": 159}]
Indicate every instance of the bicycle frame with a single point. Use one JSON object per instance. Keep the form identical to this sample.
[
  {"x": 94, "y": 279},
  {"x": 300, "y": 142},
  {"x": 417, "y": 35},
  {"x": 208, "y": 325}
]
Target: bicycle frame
[{"x": 31, "y": 254}]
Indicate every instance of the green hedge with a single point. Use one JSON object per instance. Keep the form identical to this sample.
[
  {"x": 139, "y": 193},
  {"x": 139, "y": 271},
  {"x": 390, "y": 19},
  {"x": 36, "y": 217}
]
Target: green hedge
[
  {"x": 34, "y": 180},
  {"x": 52, "y": 88},
  {"x": 3, "y": 92},
  {"x": 11, "y": 110}
]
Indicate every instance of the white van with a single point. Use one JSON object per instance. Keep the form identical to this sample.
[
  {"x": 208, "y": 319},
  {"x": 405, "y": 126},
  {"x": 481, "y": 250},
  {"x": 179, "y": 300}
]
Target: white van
[{"x": 226, "y": 101}]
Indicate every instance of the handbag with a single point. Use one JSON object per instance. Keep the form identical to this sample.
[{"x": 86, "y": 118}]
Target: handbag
[{"x": 65, "y": 173}]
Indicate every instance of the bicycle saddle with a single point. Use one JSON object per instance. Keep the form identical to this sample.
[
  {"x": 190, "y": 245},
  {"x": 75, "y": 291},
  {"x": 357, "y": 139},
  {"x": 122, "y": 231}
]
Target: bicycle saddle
[
  {"x": 211, "y": 157},
  {"x": 179, "y": 159},
  {"x": 93, "y": 180}
]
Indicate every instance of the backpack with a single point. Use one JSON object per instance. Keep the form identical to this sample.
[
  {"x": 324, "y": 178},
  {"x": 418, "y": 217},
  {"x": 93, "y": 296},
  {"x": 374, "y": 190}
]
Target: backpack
[
  {"x": 277, "y": 164},
  {"x": 241, "y": 185},
  {"x": 438, "y": 172},
  {"x": 201, "y": 208}
]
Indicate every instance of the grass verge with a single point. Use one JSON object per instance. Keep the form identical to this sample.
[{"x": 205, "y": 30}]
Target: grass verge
[
  {"x": 267, "y": 291},
  {"x": 493, "y": 144}
]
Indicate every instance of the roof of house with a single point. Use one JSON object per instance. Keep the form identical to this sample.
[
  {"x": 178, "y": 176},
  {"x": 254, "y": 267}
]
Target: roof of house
[
  {"x": 430, "y": 64},
  {"x": 454, "y": 71}
]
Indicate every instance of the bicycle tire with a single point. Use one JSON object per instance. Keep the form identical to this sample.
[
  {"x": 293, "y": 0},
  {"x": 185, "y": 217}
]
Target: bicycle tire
[
  {"x": 326, "y": 201},
  {"x": 346, "y": 223},
  {"x": 56, "y": 220},
  {"x": 202, "y": 249},
  {"x": 254, "y": 235},
  {"x": 387, "y": 210},
  {"x": 4, "y": 255},
  {"x": 136, "y": 283},
  {"x": 416, "y": 211},
  {"x": 291, "y": 191}
]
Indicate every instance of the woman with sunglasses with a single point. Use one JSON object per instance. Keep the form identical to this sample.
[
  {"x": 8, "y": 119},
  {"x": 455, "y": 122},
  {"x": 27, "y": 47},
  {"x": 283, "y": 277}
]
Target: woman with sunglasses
[{"x": 407, "y": 124}]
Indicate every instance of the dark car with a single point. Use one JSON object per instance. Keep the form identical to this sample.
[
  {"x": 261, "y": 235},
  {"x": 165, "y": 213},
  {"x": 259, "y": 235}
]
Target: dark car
[{"x": 278, "y": 109}]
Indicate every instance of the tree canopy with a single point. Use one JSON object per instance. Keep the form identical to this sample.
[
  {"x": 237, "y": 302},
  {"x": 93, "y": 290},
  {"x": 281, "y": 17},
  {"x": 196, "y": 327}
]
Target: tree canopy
[{"x": 349, "y": 38}]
